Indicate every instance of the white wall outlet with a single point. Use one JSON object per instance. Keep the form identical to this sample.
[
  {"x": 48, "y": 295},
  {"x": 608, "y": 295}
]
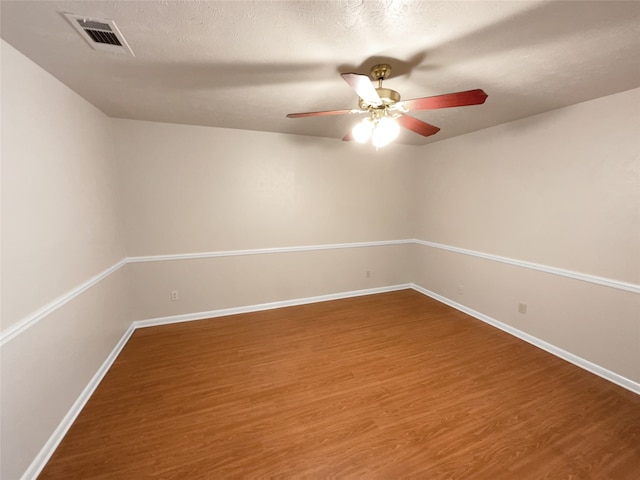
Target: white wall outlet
[
  {"x": 460, "y": 290},
  {"x": 367, "y": 274},
  {"x": 175, "y": 295},
  {"x": 522, "y": 308}
]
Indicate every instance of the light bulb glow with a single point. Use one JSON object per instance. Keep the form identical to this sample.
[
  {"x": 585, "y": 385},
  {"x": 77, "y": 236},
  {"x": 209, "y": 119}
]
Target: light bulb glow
[
  {"x": 385, "y": 132},
  {"x": 362, "y": 130}
]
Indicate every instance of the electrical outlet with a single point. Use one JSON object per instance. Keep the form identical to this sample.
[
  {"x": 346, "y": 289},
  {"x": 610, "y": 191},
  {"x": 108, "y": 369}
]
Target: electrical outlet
[
  {"x": 522, "y": 308},
  {"x": 368, "y": 273},
  {"x": 175, "y": 296},
  {"x": 460, "y": 290}
]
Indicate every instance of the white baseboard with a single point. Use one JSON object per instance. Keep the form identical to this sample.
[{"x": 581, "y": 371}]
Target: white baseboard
[
  {"x": 548, "y": 347},
  {"x": 189, "y": 317},
  {"x": 56, "y": 437}
]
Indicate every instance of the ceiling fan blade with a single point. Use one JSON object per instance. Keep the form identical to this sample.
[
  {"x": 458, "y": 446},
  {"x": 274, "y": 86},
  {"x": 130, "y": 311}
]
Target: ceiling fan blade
[
  {"x": 348, "y": 137},
  {"x": 321, "y": 114},
  {"x": 363, "y": 87},
  {"x": 459, "y": 99},
  {"x": 423, "y": 128}
]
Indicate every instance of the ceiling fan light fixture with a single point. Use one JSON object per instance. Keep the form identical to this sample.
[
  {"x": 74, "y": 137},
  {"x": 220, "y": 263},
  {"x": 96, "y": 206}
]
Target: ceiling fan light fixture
[
  {"x": 387, "y": 113},
  {"x": 385, "y": 132},
  {"x": 362, "y": 130}
]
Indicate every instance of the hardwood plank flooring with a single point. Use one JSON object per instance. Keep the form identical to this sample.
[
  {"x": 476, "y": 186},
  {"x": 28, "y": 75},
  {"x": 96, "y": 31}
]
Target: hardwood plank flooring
[{"x": 383, "y": 386}]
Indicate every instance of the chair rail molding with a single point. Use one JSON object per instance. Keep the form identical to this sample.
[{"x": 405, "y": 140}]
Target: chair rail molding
[
  {"x": 30, "y": 320},
  {"x": 19, "y": 327},
  {"x": 585, "y": 277}
]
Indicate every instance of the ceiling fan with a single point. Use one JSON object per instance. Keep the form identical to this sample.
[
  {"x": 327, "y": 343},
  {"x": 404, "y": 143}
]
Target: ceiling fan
[{"x": 387, "y": 113}]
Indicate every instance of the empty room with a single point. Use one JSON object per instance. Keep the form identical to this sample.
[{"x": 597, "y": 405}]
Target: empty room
[{"x": 320, "y": 239}]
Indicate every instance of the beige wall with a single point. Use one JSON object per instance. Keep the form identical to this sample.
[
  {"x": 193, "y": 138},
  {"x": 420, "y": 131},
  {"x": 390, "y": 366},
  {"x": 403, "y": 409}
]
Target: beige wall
[
  {"x": 199, "y": 189},
  {"x": 60, "y": 222},
  {"x": 561, "y": 189},
  {"x": 60, "y": 227},
  {"x": 246, "y": 280}
]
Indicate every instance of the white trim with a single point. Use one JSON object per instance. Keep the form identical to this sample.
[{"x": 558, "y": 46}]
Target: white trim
[
  {"x": 558, "y": 352},
  {"x": 263, "y": 251},
  {"x": 63, "y": 427},
  {"x": 189, "y": 317},
  {"x": 16, "y": 329},
  {"x": 585, "y": 277}
]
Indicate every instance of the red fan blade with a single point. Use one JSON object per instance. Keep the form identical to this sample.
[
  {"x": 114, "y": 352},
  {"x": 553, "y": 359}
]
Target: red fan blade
[
  {"x": 363, "y": 87},
  {"x": 459, "y": 99},
  {"x": 321, "y": 114},
  {"x": 423, "y": 128}
]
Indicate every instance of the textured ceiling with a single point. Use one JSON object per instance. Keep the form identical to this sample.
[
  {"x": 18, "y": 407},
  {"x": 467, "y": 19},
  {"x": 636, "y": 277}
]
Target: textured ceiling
[{"x": 246, "y": 64}]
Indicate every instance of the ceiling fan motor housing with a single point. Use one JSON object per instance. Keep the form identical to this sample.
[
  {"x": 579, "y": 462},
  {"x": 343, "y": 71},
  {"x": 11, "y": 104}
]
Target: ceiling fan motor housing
[{"x": 388, "y": 97}]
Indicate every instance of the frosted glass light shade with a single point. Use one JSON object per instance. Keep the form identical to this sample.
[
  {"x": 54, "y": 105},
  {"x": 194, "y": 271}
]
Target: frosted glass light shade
[
  {"x": 386, "y": 131},
  {"x": 362, "y": 130}
]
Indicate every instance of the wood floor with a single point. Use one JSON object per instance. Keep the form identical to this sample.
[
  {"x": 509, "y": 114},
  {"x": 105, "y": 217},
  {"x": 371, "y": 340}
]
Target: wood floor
[{"x": 384, "y": 386}]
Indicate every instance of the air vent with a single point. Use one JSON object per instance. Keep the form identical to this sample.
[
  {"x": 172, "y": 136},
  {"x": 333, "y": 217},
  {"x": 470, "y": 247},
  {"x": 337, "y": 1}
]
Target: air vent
[{"x": 100, "y": 33}]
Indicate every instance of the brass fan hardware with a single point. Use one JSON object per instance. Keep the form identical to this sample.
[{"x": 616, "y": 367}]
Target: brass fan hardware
[
  {"x": 389, "y": 97},
  {"x": 380, "y": 72}
]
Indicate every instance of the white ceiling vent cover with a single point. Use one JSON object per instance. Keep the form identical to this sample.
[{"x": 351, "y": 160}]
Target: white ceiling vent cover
[{"x": 100, "y": 33}]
